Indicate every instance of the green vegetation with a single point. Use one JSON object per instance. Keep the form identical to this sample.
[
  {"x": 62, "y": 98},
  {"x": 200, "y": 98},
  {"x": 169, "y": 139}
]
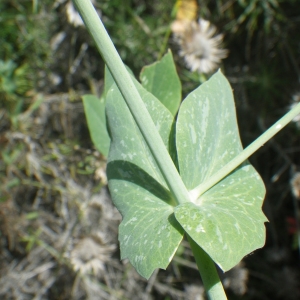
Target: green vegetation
[{"x": 53, "y": 197}]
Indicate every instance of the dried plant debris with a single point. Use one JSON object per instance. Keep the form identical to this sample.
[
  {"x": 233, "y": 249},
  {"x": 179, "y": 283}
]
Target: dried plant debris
[
  {"x": 295, "y": 185},
  {"x": 236, "y": 280},
  {"x": 59, "y": 228},
  {"x": 296, "y": 100},
  {"x": 89, "y": 255},
  {"x": 186, "y": 9},
  {"x": 53, "y": 219},
  {"x": 73, "y": 16},
  {"x": 195, "y": 292},
  {"x": 29, "y": 278}
]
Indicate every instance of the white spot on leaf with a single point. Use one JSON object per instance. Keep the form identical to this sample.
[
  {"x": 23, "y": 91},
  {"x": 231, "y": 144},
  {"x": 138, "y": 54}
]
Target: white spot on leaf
[
  {"x": 219, "y": 235},
  {"x": 193, "y": 134},
  {"x": 200, "y": 228}
]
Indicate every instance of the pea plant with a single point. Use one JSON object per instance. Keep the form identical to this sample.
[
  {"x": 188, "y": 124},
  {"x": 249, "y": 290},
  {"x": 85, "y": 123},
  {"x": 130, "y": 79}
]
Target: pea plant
[{"x": 176, "y": 167}]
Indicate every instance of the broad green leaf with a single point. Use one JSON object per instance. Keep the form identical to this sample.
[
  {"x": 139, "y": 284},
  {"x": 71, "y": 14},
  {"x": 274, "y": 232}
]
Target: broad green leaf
[
  {"x": 207, "y": 135},
  {"x": 226, "y": 221},
  {"x": 162, "y": 81},
  {"x": 94, "y": 109},
  {"x": 149, "y": 234}
]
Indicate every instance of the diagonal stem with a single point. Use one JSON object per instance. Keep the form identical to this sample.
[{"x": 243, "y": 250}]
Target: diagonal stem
[
  {"x": 133, "y": 100},
  {"x": 240, "y": 158}
]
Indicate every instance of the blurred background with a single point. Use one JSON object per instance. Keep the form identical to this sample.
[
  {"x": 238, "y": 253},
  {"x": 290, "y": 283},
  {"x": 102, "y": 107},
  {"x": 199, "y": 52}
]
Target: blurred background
[{"x": 58, "y": 227}]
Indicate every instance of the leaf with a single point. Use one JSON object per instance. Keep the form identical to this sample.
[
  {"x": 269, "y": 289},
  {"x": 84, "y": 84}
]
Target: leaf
[
  {"x": 162, "y": 81},
  {"x": 149, "y": 234},
  {"x": 226, "y": 221},
  {"x": 94, "y": 109}
]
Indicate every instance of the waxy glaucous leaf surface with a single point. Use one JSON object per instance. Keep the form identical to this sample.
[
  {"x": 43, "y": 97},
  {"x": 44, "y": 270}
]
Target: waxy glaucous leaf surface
[
  {"x": 94, "y": 109},
  {"x": 226, "y": 221},
  {"x": 161, "y": 80},
  {"x": 149, "y": 234}
]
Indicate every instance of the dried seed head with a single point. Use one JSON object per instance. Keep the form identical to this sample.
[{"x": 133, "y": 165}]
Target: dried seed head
[
  {"x": 199, "y": 45},
  {"x": 295, "y": 185},
  {"x": 296, "y": 100},
  {"x": 90, "y": 255}
]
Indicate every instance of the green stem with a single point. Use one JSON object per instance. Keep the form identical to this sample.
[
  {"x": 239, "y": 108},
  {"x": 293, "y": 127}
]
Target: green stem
[
  {"x": 208, "y": 272},
  {"x": 133, "y": 100},
  {"x": 240, "y": 158}
]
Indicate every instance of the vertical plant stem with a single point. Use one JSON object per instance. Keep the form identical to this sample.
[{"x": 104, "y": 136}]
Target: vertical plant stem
[
  {"x": 133, "y": 100},
  {"x": 208, "y": 272}
]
